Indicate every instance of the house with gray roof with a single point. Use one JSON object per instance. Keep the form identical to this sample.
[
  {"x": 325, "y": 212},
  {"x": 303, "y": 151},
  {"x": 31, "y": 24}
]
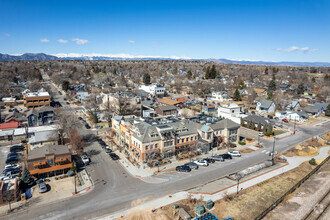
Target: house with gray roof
[
  {"x": 316, "y": 109},
  {"x": 266, "y": 106}
]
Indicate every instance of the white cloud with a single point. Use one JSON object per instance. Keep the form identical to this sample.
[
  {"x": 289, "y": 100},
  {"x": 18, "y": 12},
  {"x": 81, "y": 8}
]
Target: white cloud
[
  {"x": 44, "y": 40},
  {"x": 131, "y": 41},
  {"x": 295, "y": 48},
  {"x": 80, "y": 41},
  {"x": 128, "y": 56},
  {"x": 62, "y": 41},
  {"x": 6, "y": 34}
]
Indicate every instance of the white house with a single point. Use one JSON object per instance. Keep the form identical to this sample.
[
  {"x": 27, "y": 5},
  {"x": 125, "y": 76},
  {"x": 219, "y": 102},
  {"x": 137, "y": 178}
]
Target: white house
[
  {"x": 266, "y": 106},
  {"x": 220, "y": 96},
  {"x": 155, "y": 90},
  {"x": 232, "y": 112},
  {"x": 291, "y": 115}
]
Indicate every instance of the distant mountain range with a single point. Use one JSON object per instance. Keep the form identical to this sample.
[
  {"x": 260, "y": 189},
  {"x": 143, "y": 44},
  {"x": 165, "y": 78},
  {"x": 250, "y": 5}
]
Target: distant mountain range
[{"x": 42, "y": 56}]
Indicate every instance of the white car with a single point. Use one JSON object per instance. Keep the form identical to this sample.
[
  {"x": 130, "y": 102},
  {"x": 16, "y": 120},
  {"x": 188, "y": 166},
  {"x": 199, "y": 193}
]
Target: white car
[
  {"x": 8, "y": 176},
  {"x": 234, "y": 153},
  {"x": 261, "y": 134},
  {"x": 12, "y": 166},
  {"x": 85, "y": 159},
  {"x": 201, "y": 163}
]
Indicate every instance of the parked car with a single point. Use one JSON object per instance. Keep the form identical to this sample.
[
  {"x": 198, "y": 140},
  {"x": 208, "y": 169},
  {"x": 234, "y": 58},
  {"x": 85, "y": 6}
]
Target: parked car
[
  {"x": 276, "y": 118},
  {"x": 12, "y": 166},
  {"x": 12, "y": 170},
  {"x": 183, "y": 168},
  {"x": 279, "y": 125},
  {"x": 16, "y": 148},
  {"x": 42, "y": 187},
  {"x": 101, "y": 142},
  {"x": 226, "y": 156},
  {"x": 261, "y": 134},
  {"x": 114, "y": 156},
  {"x": 8, "y": 176},
  {"x": 209, "y": 160},
  {"x": 285, "y": 120},
  {"x": 217, "y": 158},
  {"x": 80, "y": 118},
  {"x": 270, "y": 116},
  {"x": 85, "y": 159},
  {"x": 201, "y": 163},
  {"x": 107, "y": 150},
  {"x": 235, "y": 153},
  {"x": 12, "y": 160},
  {"x": 12, "y": 154},
  {"x": 192, "y": 165}
]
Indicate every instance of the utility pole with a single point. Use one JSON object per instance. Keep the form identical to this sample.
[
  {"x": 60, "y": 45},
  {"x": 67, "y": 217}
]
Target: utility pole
[
  {"x": 294, "y": 128},
  {"x": 273, "y": 151}
]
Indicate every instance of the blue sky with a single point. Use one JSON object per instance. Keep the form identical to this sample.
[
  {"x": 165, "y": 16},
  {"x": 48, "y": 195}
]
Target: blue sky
[{"x": 271, "y": 30}]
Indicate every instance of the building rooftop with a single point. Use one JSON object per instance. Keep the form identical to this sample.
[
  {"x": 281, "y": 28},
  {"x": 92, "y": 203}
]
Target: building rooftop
[
  {"x": 36, "y": 94},
  {"x": 49, "y": 149}
]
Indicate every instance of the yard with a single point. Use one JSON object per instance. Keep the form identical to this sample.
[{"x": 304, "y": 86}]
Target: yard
[
  {"x": 278, "y": 132},
  {"x": 308, "y": 148}
]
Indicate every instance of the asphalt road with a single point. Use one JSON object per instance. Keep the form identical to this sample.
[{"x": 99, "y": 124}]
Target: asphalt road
[{"x": 117, "y": 190}]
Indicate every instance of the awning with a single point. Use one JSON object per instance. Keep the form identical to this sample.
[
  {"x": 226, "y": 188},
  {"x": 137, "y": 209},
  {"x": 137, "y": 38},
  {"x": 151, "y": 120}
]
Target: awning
[{"x": 50, "y": 169}]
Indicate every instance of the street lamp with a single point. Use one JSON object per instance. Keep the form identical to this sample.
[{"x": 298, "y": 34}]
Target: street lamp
[{"x": 238, "y": 177}]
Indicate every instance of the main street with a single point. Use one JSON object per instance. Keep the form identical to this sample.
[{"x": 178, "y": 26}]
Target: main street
[{"x": 116, "y": 190}]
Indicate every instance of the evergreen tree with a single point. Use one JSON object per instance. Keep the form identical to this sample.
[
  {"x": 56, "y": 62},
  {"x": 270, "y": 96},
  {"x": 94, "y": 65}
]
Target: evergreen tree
[
  {"x": 301, "y": 88},
  {"x": 237, "y": 96},
  {"x": 272, "y": 84},
  {"x": 207, "y": 74},
  {"x": 327, "y": 112},
  {"x": 213, "y": 72},
  {"x": 266, "y": 71},
  {"x": 189, "y": 74},
  {"x": 259, "y": 127},
  {"x": 65, "y": 85},
  {"x": 264, "y": 129},
  {"x": 146, "y": 79}
]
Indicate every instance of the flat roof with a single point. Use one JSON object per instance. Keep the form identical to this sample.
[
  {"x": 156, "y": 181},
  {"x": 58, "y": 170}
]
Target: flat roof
[{"x": 36, "y": 94}]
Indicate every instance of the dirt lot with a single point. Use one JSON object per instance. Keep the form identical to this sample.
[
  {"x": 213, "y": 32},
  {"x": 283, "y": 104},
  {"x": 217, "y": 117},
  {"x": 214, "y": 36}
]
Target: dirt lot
[
  {"x": 250, "y": 202},
  {"x": 303, "y": 199},
  {"x": 246, "y": 150},
  {"x": 308, "y": 148}
]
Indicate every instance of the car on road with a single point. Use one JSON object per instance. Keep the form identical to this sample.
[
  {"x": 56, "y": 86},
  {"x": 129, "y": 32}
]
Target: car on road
[
  {"x": 12, "y": 170},
  {"x": 261, "y": 134},
  {"x": 107, "y": 150},
  {"x": 16, "y": 148},
  {"x": 12, "y": 166},
  {"x": 192, "y": 165},
  {"x": 59, "y": 93},
  {"x": 80, "y": 118},
  {"x": 209, "y": 160},
  {"x": 285, "y": 120},
  {"x": 101, "y": 142},
  {"x": 270, "y": 116},
  {"x": 276, "y": 118},
  {"x": 235, "y": 153},
  {"x": 217, "y": 158},
  {"x": 85, "y": 159},
  {"x": 12, "y": 160},
  {"x": 279, "y": 125},
  {"x": 201, "y": 163},
  {"x": 42, "y": 187},
  {"x": 114, "y": 156},
  {"x": 226, "y": 156},
  {"x": 183, "y": 168}
]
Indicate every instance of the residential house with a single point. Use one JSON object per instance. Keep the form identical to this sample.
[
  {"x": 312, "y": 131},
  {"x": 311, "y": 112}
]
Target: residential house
[
  {"x": 266, "y": 106},
  {"x": 316, "y": 109},
  {"x": 232, "y": 112},
  {"x": 220, "y": 96},
  {"x": 16, "y": 117},
  {"x": 209, "y": 109},
  {"x": 256, "y": 121},
  {"x": 40, "y": 116},
  {"x": 283, "y": 87},
  {"x": 154, "y": 90},
  {"x": 290, "y": 115},
  {"x": 294, "y": 105},
  {"x": 49, "y": 161},
  {"x": 166, "y": 110},
  {"x": 260, "y": 92}
]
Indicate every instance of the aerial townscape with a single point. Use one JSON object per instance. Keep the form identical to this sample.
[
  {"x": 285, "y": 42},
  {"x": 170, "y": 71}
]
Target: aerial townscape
[{"x": 174, "y": 135}]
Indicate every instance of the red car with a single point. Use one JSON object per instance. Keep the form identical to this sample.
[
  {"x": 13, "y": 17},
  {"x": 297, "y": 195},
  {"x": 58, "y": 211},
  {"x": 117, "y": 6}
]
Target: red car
[{"x": 285, "y": 120}]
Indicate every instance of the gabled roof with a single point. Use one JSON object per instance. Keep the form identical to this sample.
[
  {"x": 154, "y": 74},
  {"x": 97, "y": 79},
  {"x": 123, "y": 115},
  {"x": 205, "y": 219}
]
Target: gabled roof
[
  {"x": 256, "y": 119},
  {"x": 225, "y": 123},
  {"x": 167, "y": 107},
  {"x": 265, "y": 103},
  {"x": 168, "y": 101}
]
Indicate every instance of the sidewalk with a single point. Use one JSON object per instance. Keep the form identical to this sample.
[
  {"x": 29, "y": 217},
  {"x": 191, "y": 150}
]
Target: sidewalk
[
  {"x": 293, "y": 162},
  {"x": 145, "y": 171}
]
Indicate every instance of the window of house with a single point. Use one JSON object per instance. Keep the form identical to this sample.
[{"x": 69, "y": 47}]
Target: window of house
[
  {"x": 156, "y": 145},
  {"x": 178, "y": 141},
  {"x": 147, "y": 146},
  {"x": 191, "y": 138},
  {"x": 187, "y": 139},
  {"x": 182, "y": 140}
]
